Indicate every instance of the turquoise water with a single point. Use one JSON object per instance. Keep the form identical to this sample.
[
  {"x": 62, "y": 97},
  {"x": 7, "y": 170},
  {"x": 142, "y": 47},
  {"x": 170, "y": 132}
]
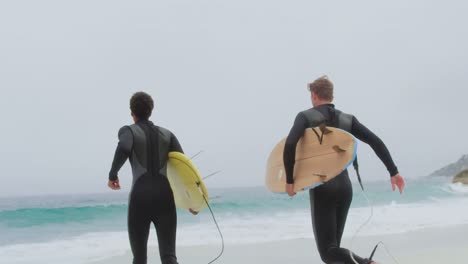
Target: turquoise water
[
  {"x": 55, "y": 229},
  {"x": 39, "y": 219}
]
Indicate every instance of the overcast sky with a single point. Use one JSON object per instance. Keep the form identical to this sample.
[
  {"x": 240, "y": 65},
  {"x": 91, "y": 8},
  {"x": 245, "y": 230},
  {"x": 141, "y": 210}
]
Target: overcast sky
[{"x": 228, "y": 78}]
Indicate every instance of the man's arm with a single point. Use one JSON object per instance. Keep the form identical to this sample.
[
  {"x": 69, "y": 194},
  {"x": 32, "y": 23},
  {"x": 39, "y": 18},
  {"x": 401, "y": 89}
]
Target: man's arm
[
  {"x": 122, "y": 152},
  {"x": 175, "y": 145},
  {"x": 367, "y": 136},
  {"x": 289, "y": 155}
]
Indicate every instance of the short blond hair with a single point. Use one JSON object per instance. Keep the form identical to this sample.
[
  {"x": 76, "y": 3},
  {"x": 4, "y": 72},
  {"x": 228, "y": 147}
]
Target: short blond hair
[{"x": 323, "y": 87}]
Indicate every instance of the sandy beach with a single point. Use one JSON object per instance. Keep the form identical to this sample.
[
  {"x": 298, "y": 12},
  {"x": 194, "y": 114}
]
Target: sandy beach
[{"x": 428, "y": 246}]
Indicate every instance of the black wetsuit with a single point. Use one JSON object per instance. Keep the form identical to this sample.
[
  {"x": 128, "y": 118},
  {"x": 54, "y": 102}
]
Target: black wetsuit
[
  {"x": 151, "y": 199},
  {"x": 330, "y": 201}
]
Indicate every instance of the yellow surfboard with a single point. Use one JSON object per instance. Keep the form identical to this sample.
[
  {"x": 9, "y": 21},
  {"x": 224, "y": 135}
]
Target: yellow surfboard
[{"x": 186, "y": 183}]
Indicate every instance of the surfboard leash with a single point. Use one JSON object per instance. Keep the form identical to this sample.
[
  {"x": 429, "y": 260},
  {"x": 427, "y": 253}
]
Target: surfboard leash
[
  {"x": 361, "y": 227},
  {"x": 219, "y": 231},
  {"x": 386, "y": 249},
  {"x": 356, "y": 168},
  {"x": 211, "y": 210}
]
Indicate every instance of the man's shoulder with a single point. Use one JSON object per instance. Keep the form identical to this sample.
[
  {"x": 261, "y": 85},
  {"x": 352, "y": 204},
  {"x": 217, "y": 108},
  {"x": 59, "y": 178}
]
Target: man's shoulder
[
  {"x": 345, "y": 114},
  {"x": 125, "y": 129},
  {"x": 164, "y": 131},
  {"x": 345, "y": 120},
  {"x": 310, "y": 113}
]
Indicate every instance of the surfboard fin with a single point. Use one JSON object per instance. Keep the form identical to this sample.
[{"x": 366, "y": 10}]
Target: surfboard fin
[
  {"x": 338, "y": 149},
  {"x": 324, "y": 129},
  {"x": 198, "y": 153},
  {"x": 320, "y": 138},
  {"x": 212, "y": 174}
]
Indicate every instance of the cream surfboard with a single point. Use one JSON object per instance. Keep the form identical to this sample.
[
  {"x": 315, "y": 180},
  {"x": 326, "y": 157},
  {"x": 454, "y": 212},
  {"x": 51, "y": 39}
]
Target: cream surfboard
[
  {"x": 321, "y": 154},
  {"x": 186, "y": 183}
]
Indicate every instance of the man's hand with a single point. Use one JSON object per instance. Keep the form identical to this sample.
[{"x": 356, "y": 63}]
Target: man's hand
[
  {"x": 193, "y": 211},
  {"x": 290, "y": 189},
  {"x": 114, "y": 185},
  {"x": 397, "y": 181}
]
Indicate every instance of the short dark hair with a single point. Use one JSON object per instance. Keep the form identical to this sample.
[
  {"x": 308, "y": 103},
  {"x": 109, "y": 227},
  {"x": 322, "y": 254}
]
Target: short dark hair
[
  {"x": 323, "y": 87},
  {"x": 141, "y": 105}
]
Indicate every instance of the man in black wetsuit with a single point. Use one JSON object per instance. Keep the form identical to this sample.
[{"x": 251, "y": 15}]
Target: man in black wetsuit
[
  {"x": 330, "y": 201},
  {"x": 151, "y": 198}
]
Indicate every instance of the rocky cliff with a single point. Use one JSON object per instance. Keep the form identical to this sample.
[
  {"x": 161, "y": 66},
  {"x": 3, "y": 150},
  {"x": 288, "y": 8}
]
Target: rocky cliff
[
  {"x": 461, "y": 177},
  {"x": 453, "y": 169}
]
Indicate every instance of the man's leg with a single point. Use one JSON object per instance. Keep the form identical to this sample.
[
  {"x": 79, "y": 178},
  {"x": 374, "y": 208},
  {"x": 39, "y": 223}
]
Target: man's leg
[
  {"x": 342, "y": 207},
  {"x": 138, "y": 230},
  {"x": 166, "y": 226},
  {"x": 323, "y": 223},
  {"x": 329, "y": 214}
]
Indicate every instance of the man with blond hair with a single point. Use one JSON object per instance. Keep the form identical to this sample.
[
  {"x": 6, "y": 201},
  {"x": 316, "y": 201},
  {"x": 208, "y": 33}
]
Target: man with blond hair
[{"x": 330, "y": 201}]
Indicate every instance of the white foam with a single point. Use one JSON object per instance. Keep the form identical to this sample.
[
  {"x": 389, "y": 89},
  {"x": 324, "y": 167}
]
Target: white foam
[
  {"x": 245, "y": 228},
  {"x": 400, "y": 218},
  {"x": 82, "y": 249},
  {"x": 458, "y": 188}
]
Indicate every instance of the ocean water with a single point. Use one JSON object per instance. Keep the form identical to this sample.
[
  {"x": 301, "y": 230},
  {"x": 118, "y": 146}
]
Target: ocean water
[{"x": 85, "y": 228}]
